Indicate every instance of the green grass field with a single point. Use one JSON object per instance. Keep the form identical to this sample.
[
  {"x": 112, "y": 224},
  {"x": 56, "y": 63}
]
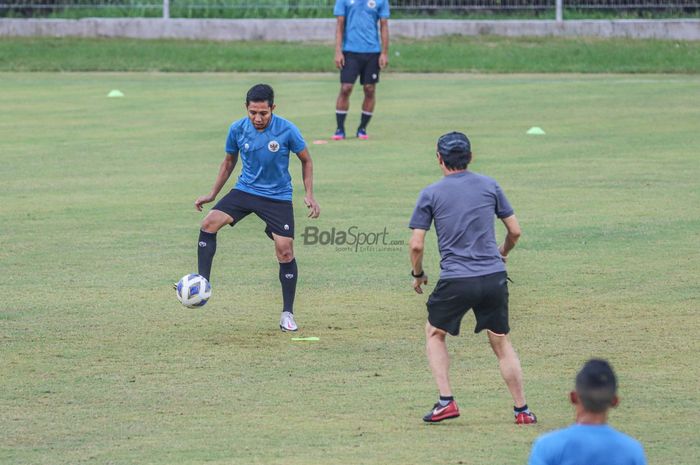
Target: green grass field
[
  {"x": 100, "y": 364},
  {"x": 482, "y": 54}
]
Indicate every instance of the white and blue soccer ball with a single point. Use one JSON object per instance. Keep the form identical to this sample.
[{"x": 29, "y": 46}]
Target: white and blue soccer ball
[{"x": 193, "y": 290}]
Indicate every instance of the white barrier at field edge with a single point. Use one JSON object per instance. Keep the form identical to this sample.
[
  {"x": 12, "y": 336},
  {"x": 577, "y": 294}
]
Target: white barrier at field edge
[{"x": 323, "y": 30}]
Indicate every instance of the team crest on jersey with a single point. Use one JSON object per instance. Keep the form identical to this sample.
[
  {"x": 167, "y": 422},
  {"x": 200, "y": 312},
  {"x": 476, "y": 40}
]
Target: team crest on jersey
[
  {"x": 246, "y": 146},
  {"x": 273, "y": 146},
  {"x": 371, "y": 4}
]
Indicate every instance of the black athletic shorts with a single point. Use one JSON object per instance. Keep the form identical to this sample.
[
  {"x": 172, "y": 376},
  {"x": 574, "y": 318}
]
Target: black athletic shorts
[
  {"x": 487, "y": 295},
  {"x": 365, "y": 65},
  {"x": 278, "y": 215}
]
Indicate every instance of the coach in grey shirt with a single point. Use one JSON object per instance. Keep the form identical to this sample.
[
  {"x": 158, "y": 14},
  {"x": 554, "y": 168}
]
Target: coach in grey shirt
[{"x": 473, "y": 273}]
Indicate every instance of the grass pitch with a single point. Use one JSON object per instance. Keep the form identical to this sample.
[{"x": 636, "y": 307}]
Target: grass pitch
[{"x": 100, "y": 364}]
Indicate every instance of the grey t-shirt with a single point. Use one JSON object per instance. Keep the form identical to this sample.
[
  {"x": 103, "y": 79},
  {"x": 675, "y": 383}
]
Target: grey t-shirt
[{"x": 463, "y": 206}]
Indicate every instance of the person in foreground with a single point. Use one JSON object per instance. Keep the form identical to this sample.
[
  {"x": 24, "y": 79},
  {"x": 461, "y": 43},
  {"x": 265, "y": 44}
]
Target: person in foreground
[
  {"x": 473, "y": 273},
  {"x": 590, "y": 441},
  {"x": 361, "y": 49},
  {"x": 264, "y": 187}
]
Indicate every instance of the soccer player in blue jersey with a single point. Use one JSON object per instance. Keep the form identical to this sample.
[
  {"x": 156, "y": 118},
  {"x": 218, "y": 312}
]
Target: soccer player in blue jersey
[
  {"x": 264, "y": 142},
  {"x": 361, "y": 49},
  {"x": 463, "y": 206},
  {"x": 591, "y": 441}
]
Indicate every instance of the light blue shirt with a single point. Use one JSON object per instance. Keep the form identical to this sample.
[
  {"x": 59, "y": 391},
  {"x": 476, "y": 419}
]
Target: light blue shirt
[
  {"x": 587, "y": 445},
  {"x": 265, "y": 156},
  {"x": 361, "y": 32}
]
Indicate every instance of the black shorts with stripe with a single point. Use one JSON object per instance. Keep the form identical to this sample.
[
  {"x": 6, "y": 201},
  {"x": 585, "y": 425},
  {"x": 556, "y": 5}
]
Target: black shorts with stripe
[
  {"x": 453, "y": 298},
  {"x": 278, "y": 215}
]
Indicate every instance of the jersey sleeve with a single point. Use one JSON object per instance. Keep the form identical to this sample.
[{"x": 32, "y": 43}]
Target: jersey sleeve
[
  {"x": 339, "y": 9},
  {"x": 296, "y": 141},
  {"x": 503, "y": 208},
  {"x": 422, "y": 216},
  {"x": 384, "y": 10},
  {"x": 231, "y": 142}
]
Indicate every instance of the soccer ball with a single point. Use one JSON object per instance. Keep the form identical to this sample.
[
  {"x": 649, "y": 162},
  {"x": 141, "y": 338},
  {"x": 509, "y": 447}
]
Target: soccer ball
[{"x": 193, "y": 290}]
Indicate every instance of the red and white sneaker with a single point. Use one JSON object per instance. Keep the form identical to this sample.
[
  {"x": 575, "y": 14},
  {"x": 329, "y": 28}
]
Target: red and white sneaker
[
  {"x": 439, "y": 413},
  {"x": 525, "y": 418}
]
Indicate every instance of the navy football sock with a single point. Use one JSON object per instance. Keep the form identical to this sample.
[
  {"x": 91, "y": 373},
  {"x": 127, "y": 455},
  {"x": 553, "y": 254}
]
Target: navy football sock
[
  {"x": 288, "y": 279},
  {"x": 364, "y": 120},
  {"x": 340, "y": 119},
  {"x": 205, "y": 252}
]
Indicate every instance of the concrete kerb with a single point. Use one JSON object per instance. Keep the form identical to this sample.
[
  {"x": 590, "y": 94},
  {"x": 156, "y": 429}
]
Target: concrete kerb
[{"x": 314, "y": 30}]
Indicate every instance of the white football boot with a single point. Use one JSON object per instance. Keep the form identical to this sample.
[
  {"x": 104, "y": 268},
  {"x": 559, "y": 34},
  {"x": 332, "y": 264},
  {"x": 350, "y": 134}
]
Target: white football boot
[{"x": 287, "y": 322}]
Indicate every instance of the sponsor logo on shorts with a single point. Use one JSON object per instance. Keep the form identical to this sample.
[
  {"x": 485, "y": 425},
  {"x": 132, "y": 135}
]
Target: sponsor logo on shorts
[
  {"x": 374, "y": 76},
  {"x": 286, "y": 227},
  {"x": 273, "y": 146}
]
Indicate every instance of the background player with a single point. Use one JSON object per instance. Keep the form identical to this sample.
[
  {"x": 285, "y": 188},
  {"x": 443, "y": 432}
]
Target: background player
[
  {"x": 591, "y": 441},
  {"x": 264, "y": 187},
  {"x": 359, "y": 51},
  {"x": 473, "y": 274}
]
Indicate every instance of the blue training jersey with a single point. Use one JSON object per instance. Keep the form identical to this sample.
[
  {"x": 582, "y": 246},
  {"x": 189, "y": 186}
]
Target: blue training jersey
[
  {"x": 265, "y": 156},
  {"x": 587, "y": 445},
  {"x": 361, "y": 32}
]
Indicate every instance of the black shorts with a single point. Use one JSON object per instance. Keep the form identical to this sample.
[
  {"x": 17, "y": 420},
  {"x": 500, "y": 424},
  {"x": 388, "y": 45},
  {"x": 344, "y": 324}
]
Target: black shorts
[
  {"x": 487, "y": 295},
  {"x": 278, "y": 215},
  {"x": 365, "y": 65}
]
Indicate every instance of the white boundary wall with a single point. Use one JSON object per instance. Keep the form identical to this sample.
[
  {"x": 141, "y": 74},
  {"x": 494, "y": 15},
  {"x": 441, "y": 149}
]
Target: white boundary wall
[{"x": 303, "y": 30}]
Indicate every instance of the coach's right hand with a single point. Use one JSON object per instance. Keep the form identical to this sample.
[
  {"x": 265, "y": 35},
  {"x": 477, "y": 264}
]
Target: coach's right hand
[
  {"x": 202, "y": 200},
  {"x": 339, "y": 60}
]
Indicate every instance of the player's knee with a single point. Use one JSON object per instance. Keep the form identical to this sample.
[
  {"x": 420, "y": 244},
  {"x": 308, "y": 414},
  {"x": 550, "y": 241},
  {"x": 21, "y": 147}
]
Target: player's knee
[
  {"x": 284, "y": 254},
  {"x": 213, "y": 222},
  {"x": 209, "y": 225},
  {"x": 433, "y": 332},
  {"x": 346, "y": 90},
  {"x": 369, "y": 90}
]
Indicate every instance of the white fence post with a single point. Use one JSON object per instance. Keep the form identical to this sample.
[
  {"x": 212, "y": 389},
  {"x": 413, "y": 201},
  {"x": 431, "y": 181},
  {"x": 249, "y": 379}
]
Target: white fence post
[
  {"x": 166, "y": 9},
  {"x": 560, "y": 11}
]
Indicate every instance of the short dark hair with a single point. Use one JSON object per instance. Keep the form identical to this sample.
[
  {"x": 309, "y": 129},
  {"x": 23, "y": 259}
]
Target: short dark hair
[
  {"x": 260, "y": 93},
  {"x": 596, "y": 385},
  {"x": 455, "y": 150}
]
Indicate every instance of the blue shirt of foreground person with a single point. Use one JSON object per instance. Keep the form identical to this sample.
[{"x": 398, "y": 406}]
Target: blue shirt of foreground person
[{"x": 590, "y": 441}]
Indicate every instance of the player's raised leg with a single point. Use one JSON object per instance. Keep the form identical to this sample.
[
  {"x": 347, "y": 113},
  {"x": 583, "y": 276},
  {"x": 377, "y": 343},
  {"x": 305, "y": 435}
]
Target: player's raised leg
[
  {"x": 284, "y": 249},
  {"x": 206, "y": 249},
  {"x": 512, "y": 374}
]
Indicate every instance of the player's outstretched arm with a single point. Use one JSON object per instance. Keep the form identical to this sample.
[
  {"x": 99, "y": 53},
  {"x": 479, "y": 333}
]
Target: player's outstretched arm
[
  {"x": 307, "y": 173},
  {"x": 512, "y": 236},
  {"x": 339, "y": 31},
  {"x": 416, "y": 246},
  {"x": 225, "y": 170}
]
